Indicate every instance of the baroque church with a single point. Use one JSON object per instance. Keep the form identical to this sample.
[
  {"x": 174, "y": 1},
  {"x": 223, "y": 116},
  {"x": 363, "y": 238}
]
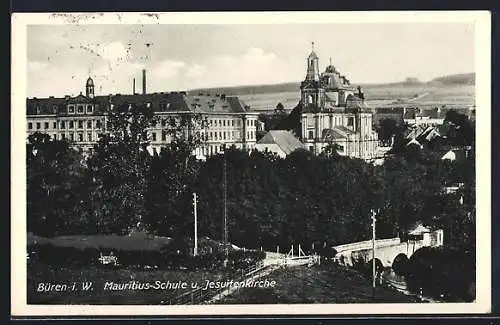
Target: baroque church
[{"x": 332, "y": 111}]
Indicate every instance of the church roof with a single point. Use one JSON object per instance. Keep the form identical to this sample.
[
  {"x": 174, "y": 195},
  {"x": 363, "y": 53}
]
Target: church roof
[
  {"x": 284, "y": 139},
  {"x": 90, "y": 82},
  {"x": 312, "y": 56}
]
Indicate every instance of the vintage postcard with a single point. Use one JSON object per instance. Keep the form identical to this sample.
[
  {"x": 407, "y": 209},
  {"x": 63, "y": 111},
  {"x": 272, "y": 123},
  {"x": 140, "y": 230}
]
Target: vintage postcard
[{"x": 262, "y": 163}]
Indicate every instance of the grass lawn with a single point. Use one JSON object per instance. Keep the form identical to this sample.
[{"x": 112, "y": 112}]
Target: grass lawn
[{"x": 317, "y": 284}]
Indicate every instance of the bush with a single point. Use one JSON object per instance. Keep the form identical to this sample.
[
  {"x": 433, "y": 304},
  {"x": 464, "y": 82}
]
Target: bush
[{"x": 442, "y": 272}]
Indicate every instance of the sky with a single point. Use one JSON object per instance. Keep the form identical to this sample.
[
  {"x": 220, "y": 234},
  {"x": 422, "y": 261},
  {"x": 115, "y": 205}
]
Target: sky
[{"x": 187, "y": 56}]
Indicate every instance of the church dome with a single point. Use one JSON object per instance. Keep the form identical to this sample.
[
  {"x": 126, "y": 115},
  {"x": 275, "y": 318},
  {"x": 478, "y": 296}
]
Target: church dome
[
  {"x": 90, "y": 82},
  {"x": 330, "y": 69}
]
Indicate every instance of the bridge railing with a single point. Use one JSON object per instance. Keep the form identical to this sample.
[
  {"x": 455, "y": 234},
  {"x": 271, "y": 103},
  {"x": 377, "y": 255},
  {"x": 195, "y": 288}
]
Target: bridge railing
[{"x": 366, "y": 244}]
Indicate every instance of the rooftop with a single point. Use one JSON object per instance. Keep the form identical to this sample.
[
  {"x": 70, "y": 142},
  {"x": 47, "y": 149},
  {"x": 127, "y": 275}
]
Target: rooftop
[{"x": 284, "y": 139}]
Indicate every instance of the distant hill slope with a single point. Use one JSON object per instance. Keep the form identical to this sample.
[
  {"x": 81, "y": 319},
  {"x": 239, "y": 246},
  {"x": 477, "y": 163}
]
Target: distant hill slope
[
  {"x": 251, "y": 89},
  {"x": 454, "y": 79}
]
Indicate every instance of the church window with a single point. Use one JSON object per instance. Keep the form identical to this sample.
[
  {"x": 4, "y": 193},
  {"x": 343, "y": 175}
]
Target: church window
[
  {"x": 46, "y": 125},
  {"x": 79, "y": 109},
  {"x": 63, "y": 124},
  {"x": 54, "y": 125},
  {"x": 311, "y": 134},
  {"x": 71, "y": 124},
  {"x": 72, "y": 136},
  {"x": 38, "y": 125},
  {"x": 89, "y": 136},
  {"x": 71, "y": 109},
  {"x": 232, "y": 122},
  {"x": 350, "y": 121},
  {"x": 90, "y": 109},
  {"x": 154, "y": 136},
  {"x": 80, "y": 124},
  {"x": 163, "y": 136},
  {"x": 63, "y": 136},
  {"x": 89, "y": 124},
  {"x": 80, "y": 137},
  {"x": 30, "y": 125}
]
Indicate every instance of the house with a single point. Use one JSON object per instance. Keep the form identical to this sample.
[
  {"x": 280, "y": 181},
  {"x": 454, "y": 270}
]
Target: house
[{"x": 280, "y": 142}]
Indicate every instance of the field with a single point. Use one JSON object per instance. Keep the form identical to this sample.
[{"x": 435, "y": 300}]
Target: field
[
  {"x": 318, "y": 284},
  {"x": 425, "y": 94}
]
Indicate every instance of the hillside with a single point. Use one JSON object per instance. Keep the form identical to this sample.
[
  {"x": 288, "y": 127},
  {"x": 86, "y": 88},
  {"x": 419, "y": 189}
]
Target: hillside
[
  {"x": 449, "y": 80},
  {"x": 455, "y": 79}
]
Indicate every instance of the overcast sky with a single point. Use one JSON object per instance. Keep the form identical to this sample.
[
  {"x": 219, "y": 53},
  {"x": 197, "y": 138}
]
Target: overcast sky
[{"x": 179, "y": 57}]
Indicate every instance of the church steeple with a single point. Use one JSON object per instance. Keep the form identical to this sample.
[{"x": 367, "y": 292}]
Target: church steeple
[
  {"x": 89, "y": 88},
  {"x": 312, "y": 65}
]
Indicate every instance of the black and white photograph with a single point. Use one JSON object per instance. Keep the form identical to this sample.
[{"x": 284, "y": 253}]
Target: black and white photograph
[{"x": 251, "y": 163}]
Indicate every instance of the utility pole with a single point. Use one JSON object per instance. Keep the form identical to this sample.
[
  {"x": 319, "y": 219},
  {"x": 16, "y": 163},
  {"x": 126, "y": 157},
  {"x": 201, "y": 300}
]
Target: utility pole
[
  {"x": 373, "y": 251},
  {"x": 226, "y": 249},
  {"x": 195, "y": 253}
]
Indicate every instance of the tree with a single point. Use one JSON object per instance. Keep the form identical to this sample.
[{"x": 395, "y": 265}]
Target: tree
[
  {"x": 462, "y": 132},
  {"x": 119, "y": 167},
  {"x": 172, "y": 175},
  {"x": 280, "y": 109},
  {"x": 56, "y": 187}
]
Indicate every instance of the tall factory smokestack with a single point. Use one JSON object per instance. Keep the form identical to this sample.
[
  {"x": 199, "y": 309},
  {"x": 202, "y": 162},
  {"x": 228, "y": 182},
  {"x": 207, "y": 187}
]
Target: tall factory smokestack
[
  {"x": 133, "y": 88},
  {"x": 144, "y": 81}
]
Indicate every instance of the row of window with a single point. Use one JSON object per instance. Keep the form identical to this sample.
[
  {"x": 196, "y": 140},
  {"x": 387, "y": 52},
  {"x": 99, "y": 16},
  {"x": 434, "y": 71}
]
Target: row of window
[
  {"x": 221, "y": 135},
  {"x": 334, "y": 120},
  {"x": 63, "y": 124},
  {"x": 80, "y": 137},
  {"x": 80, "y": 109},
  {"x": 232, "y": 122}
]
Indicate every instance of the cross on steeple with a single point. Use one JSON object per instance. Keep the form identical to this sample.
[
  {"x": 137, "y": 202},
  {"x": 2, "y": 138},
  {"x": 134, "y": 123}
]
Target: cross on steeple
[
  {"x": 330, "y": 60},
  {"x": 312, "y": 46}
]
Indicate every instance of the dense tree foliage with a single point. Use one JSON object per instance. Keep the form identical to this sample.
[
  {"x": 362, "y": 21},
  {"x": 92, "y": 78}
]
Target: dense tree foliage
[
  {"x": 303, "y": 199},
  {"x": 54, "y": 172}
]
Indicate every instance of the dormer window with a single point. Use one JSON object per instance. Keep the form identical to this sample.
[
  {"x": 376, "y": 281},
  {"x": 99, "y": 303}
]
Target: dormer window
[{"x": 71, "y": 109}]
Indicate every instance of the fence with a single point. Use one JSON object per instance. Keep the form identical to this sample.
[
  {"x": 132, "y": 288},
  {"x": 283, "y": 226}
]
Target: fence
[{"x": 201, "y": 295}]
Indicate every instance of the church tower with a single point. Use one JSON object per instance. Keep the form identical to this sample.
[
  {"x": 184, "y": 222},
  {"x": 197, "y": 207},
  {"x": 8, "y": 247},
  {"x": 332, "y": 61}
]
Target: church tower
[
  {"x": 89, "y": 88},
  {"x": 312, "y": 66},
  {"x": 312, "y": 94}
]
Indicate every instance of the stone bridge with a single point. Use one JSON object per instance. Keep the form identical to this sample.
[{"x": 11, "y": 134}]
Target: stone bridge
[{"x": 386, "y": 250}]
